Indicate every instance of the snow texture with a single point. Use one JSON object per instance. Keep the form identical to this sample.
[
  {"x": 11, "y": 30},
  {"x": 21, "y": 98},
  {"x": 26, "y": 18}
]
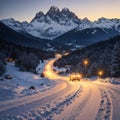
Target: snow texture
[{"x": 21, "y": 82}]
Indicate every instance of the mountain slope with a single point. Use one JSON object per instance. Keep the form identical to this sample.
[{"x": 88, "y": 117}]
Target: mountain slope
[
  {"x": 28, "y": 40},
  {"x": 104, "y": 55},
  {"x": 15, "y": 37},
  {"x": 56, "y": 22},
  {"x": 86, "y": 37},
  {"x": 49, "y": 25}
]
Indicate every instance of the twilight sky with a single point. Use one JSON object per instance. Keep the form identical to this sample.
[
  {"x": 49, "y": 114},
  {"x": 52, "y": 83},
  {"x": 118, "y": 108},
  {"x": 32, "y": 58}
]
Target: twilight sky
[{"x": 26, "y": 9}]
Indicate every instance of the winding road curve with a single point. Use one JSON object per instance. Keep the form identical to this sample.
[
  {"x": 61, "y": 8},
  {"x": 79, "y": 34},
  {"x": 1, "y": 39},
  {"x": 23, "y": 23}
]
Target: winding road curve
[{"x": 67, "y": 100}]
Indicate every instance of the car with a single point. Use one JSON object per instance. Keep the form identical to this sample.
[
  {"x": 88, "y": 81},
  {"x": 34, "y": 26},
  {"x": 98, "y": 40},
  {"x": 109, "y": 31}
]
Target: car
[
  {"x": 8, "y": 77},
  {"x": 75, "y": 77}
]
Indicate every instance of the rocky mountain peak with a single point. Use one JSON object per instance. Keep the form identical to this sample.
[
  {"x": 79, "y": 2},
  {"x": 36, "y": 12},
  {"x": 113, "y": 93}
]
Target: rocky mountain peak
[
  {"x": 53, "y": 9},
  {"x": 38, "y": 15},
  {"x": 65, "y": 10},
  {"x": 85, "y": 19},
  {"x": 56, "y": 22},
  {"x": 103, "y": 20},
  {"x": 54, "y": 13}
]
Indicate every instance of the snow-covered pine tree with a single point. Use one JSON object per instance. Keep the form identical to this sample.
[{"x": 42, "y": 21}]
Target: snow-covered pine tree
[{"x": 115, "y": 63}]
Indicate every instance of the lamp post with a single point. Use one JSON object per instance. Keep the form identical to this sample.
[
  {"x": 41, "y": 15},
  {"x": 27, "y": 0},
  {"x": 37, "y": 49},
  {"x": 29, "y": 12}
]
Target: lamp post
[
  {"x": 85, "y": 62},
  {"x": 100, "y": 73}
]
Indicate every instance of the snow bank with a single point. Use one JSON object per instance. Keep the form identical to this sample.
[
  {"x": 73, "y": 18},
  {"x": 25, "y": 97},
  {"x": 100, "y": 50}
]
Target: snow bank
[
  {"x": 21, "y": 82},
  {"x": 40, "y": 67},
  {"x": 109, "y": 80},
  {"x": 115, "y": 80}
]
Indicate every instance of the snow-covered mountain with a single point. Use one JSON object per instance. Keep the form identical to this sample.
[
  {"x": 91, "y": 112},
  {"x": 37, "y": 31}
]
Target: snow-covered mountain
[
  {"x": 57, "y": 22},
  {"x": 49, "y": 25},
  {"x": 108, "y": 23},
  {"x": 101, "y": 23}
]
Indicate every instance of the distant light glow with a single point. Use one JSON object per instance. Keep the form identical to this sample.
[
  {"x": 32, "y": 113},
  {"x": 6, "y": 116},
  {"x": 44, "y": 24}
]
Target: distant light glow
[
  {"x": 49, "y": 73},
  {"x": 100, "y": 73},
  {"x": 85, "y": 62}
]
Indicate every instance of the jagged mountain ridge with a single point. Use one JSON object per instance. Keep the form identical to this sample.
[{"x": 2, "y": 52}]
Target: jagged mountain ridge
[
  {"x": 49, "y": 25},
  {"x": 57, "y": 22}
]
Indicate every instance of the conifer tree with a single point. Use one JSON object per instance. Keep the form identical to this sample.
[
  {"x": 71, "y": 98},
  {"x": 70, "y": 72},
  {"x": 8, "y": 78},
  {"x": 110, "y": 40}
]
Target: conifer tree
[{"x": 115, "y": 64}]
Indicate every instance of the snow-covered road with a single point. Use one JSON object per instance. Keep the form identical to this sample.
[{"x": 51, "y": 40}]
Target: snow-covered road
[{"x": 85, "y": 100}]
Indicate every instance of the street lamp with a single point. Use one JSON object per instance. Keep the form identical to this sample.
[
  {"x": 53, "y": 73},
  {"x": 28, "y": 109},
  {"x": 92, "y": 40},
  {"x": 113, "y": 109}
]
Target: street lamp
[
  {"x": 100, "y": 73},
  {"x": 86, "y": 62}
]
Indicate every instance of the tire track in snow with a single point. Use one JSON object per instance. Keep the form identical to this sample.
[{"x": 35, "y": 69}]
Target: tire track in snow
[
  {"x": 113, "y": 89},
  {"x": 81, "y": 106},
  {"x": 115, "y": 98},
  {"x": 76, "y": 110},
  {"x": 85, "y": 101},
  {"x": 59, "y": 107},
  {"x": 30, "y": 102},
  {"x": 105, "y": 110},
  {"x": 47, "y": 111},
  {"x": 90, "y": 103}
]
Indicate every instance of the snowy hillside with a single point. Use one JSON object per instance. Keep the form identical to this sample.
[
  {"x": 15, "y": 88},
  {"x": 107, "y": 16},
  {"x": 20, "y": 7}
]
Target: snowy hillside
[
  {"x": 104, "y": 55},
  {"x": 66, "y": 100},
  {"x": 22, "y": 83},
  {"x": 101, "y": 23},
  {"x": 57, "y": 22}
]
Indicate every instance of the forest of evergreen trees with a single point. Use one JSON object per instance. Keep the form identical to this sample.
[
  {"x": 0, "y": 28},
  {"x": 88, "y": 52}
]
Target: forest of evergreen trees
[
  {"x": 26, "y": 58},
  {"x": 104, "y": 55}
]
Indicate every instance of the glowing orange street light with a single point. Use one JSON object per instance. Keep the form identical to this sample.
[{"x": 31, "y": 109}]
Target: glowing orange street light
[
  {"x": 100, "y": 73},
  {"x": 86, "y": 62}
]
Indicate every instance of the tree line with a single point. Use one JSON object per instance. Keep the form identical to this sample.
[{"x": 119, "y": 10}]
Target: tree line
[
  {"x": 104, "y": 55},
  {"x": 26, "y": 58}
]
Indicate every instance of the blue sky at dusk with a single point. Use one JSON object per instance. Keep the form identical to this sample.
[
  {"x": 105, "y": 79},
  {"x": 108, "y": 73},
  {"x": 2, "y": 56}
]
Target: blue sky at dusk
[{"x": 26, "y": 9}]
